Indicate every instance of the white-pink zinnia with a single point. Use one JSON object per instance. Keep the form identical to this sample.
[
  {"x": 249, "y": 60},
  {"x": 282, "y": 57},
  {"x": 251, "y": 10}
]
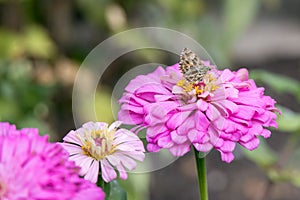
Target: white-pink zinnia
[{"x": 97, "y": 145}]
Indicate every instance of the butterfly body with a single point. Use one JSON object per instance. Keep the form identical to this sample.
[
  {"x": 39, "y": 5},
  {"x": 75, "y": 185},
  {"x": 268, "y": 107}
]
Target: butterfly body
[{"x": 191, "y": 66}]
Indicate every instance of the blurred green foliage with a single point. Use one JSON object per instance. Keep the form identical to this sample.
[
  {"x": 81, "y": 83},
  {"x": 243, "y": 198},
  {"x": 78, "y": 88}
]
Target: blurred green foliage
[
  {"x": 22, "y": 100},
  {"x": 280, "y": 83},
  {"x": 32, "y": 41},
  {"x": 283, "y": 165},
  {"x": 264, "y": 156}
]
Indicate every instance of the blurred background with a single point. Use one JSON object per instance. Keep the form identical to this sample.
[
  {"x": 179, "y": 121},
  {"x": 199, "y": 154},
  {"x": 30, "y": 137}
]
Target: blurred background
[{"x": 43, "y": 42}]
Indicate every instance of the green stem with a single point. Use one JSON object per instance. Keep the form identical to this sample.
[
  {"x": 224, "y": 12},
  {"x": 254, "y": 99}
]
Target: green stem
[
  {"x": 105, "y": 186},
  {"x": 201, "y": 170},
  {"x": 100, "y": 182}
]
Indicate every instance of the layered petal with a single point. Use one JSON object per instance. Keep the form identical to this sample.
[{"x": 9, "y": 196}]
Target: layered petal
[{"x": 218, "y": 111}]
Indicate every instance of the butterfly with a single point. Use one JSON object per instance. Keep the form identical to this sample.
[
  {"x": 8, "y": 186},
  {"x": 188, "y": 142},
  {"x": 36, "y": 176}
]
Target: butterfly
[{"x": 191, "y": 66}]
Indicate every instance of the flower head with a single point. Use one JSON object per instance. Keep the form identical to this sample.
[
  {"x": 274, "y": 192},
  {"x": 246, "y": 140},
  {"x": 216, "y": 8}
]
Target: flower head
[
  {"x": 32, "y": 168},
  {"x": 217, "y": 111},
  {"x": 96, "y": 142}
]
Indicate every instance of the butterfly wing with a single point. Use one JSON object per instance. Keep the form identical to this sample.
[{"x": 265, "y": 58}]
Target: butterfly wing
[
  {"x": 188, "y": 60},
  {"x": 191, "y": 66}
]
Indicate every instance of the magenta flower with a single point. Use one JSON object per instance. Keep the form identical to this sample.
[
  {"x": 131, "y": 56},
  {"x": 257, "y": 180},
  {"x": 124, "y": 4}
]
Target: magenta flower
[
  {"x": 217, "y": 111},
  {"x": 97, "y": 142},
  {"x": 32, "y": 168}
]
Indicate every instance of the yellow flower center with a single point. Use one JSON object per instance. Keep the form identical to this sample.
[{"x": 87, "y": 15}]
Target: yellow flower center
[
  {"x": 198, "y": 90},
  {"x": 208, "y": 84},
  {"x": 187, "y": 87},
  {"x": 98, "y": 143}
]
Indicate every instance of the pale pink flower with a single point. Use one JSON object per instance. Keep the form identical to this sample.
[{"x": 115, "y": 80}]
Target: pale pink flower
[
  {"x": 223, "y": 109},
  {"x": 97, "y": 143},
  {"x": 31, "y": 168}
]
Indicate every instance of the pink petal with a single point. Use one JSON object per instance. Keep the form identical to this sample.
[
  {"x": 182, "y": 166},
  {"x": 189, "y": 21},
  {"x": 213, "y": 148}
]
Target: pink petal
[
  {"x": 80, "y": 160},
  {"x": 252, "y": 144},
  {"x": 94, "y": 193},
  {"x": 122, "y": 172},
  {"x": 113, "y": 160},
  {"x": 165, "y": 141},
  {"x": 265, "y": 133},
  {"x": 133, "y": 108},
  {"x": 221, "y": 123},
  {"x": 137, "y": 155},
  {"x": 212, "y": 113},
  {"x": 196, "y": 136},
  {"x": 153, "y": 147},
  {"x": 108, "y": 172},
  {"x": 178, "y": 138},
  {"x": 227, "y": 157},
  {"x": 226, "y": 75},
  {"x": 151, "y": 88},
  {"x": 142, "y": 79},
  {"x": 231, "y": 93},
  {"x": 242, "y": 74},
  {"x": 163, "y": 97},
  {"x": 92, "y": 174},
  {"x": 256, "y": 129},
  {"x": 201, "y": 121},
  {"x": 155, "y": 130},
  {"x": 188, "y": 124},
  {"x": 244, "y": 122},
  {"x": 244, "y": 112},
  {"x": 248, "y": 101},
  {"x": 71, "y": 148},
  {"x": 128, "y": 117},
  {"x": 180, "y": 149},
  {"x": 202, "y": 105},
  {"x": 188, "y": 107},
  {"x": 248, "y": 136},
  {"x": 72, "y": 138},
  {"x": 126, "y": 161},
  {"x": 229, "y": 105},
  {"x": 203, "y": 147},
  {"x": 215, "y": 137},
  {"x": 177, "y": 119},
  {"x": 227, "y": 146}
]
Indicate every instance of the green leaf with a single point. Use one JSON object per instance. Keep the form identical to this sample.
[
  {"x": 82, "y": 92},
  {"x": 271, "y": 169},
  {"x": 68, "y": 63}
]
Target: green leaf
[
  {"x": 116, "y": 192},
  {"x": 277, "y": 82},
  {"x": 289, "y": 120},
  {"x": 263, "y": 156},
  {"x": 106, "y": 189}
]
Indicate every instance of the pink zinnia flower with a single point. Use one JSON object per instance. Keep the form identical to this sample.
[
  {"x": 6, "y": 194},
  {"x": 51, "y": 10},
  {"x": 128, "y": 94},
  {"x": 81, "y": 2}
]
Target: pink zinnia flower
[
  {"x": 32, "y": 168},
  {"x": 97, "y": 142},
  {"x": 218, "y": 111}
]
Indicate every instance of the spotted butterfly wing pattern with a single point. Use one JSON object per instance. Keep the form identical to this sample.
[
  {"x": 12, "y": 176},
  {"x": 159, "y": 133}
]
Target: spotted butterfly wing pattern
[{"x": 191, "y": 66}]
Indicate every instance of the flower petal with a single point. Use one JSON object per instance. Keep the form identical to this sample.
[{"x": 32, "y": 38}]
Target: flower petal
[
  {"x": 107, "y": 171},
  {"x": 93, "y": 172}
]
